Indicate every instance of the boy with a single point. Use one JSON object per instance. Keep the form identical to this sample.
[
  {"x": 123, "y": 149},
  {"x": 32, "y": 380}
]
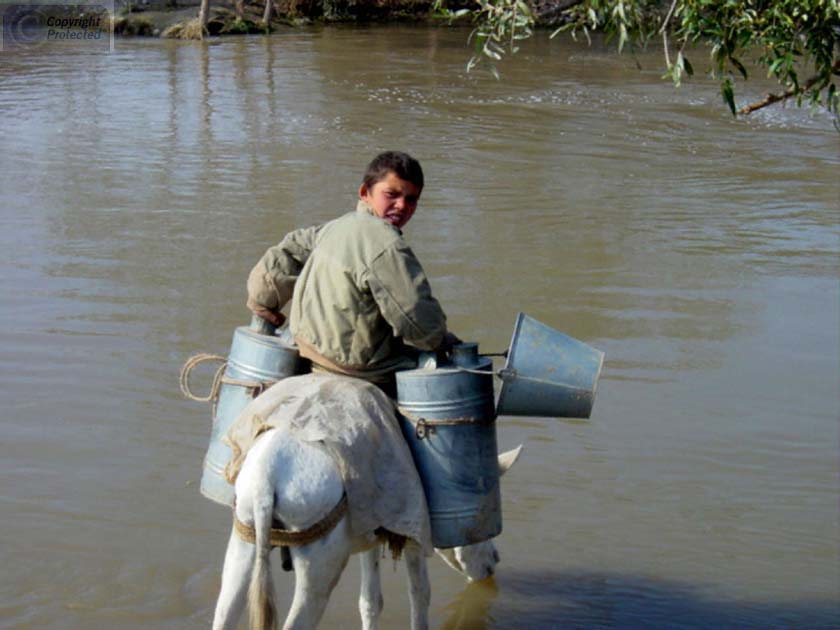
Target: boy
[{"x": 358, "y": 293}]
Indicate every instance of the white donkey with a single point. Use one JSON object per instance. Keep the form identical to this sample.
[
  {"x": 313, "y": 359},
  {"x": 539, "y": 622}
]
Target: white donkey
[{"x": 297, "y": 483}]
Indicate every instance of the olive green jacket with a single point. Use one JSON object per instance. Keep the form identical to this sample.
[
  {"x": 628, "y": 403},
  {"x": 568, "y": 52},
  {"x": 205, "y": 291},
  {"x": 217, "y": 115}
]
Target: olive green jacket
[{"x": 358, "y": 294}]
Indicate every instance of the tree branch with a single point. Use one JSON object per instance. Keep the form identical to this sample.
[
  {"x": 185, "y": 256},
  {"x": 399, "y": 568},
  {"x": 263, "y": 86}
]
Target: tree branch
[
  {"x": 668, "y": 17},
  {"x": 663, "y": 30},
  {"x": 775, "y": 98}
]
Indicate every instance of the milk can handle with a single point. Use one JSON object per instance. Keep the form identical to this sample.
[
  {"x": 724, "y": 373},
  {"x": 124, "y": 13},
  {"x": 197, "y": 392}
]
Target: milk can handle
[{"x": 262, "y": 326}]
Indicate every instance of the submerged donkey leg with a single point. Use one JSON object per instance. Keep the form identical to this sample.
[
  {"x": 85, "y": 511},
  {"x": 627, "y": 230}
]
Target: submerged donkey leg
[
  {"x": 419, "y": 588},
  {"x": 239, "y": 560},
  {"x": 318, "y": 566},
  {"x": 370, "y": 597}
]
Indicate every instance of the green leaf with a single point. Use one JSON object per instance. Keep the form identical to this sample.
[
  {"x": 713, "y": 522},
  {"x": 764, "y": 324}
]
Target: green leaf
[
  {"x": 565, "y": 27},
  {"x": 739, "y": 66},
  {"x": 677, "y": 69},
  {"x": 774, "y": 67},
  {"x": 491, "y": 53},
  {"x": 728, "y": 94}
]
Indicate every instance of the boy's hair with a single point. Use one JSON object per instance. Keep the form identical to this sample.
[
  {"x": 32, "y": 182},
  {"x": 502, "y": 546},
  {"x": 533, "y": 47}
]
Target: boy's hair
[{"x": 402, "y": 164}]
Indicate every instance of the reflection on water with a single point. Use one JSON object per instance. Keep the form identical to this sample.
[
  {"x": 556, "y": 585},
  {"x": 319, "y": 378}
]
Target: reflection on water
[
  {"x": 470, "y": 608},
  {"x": 699, "y": 252},
  {"x": 569, "y": 599}
]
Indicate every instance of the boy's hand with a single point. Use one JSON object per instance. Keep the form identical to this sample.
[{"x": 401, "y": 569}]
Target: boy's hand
[
  {"x": 275, "y": 317},
  {"x": 449, "y": 340},
  {"x": 445, "y": 348}
]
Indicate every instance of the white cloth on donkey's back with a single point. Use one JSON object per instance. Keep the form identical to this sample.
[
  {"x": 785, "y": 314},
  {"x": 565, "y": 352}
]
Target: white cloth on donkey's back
[{"x": 356, "y": 423}]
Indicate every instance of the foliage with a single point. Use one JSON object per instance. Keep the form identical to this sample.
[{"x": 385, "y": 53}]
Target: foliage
[
  {"x": 191, "y": 29},
  {"x": 796, "y": 41},
  {"x": 226, "y": 23},
  {"x": 131, "y": 24},
  {"x": 501, "y": 23}
]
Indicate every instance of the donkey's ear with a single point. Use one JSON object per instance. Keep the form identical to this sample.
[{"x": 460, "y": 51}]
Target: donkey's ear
[{"x": 508, "y": 459}]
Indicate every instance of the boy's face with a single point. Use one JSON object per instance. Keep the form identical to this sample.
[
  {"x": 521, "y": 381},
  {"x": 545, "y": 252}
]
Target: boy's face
[{"x": 393, "y": 199}]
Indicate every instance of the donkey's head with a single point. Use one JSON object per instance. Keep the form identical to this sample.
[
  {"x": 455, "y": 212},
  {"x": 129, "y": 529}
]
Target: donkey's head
[{"x": 478, "y": 562}]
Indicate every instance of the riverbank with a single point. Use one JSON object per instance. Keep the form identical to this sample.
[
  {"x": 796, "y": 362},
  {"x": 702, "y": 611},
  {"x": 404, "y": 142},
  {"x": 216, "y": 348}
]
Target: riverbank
[
  {"x": 229, "y": 17},
  {"x": 226, "y": 18}
]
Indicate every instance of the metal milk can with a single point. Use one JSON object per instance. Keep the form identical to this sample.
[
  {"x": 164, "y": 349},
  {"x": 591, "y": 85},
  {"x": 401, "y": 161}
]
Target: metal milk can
[
  {"x": 448, "y": 418},
  {"x": 257, "y": 360}
]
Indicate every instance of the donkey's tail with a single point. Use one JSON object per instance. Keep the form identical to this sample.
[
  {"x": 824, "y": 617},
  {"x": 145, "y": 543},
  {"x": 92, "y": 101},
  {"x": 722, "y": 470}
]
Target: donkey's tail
[{"x": 262, "y": 613}]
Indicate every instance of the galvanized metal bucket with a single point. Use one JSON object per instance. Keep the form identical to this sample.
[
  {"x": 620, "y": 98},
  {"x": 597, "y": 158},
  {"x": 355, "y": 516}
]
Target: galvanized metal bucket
[
  {"x": 548, "y": 373},
  {"x": 257, "y": 360},
  {"x": 448, "y": 419}
]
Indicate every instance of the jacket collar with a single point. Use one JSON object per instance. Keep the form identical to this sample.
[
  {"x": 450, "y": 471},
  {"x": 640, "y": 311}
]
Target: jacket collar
[{"x": 364, "y": 208}]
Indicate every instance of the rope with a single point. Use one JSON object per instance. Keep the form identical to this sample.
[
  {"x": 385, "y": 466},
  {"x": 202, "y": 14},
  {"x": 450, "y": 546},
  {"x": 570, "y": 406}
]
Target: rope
[
  {"x": 219, "y": 378},
  {"x": 428, "y": 426},
  {"x": 187, "y": 369},
  {"x": 414, "y": 418},
  {"x": 287, "y": 538}
]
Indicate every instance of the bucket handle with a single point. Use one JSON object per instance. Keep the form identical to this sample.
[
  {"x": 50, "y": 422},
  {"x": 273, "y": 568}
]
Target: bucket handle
[
  {"x": 190, "y": 365},
  {"x": 256, "y": 387},
  {"x": 504, "y": 374}
]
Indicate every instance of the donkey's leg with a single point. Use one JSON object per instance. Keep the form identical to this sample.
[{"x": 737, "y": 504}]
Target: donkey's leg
[
  {"x": 418, "y": 583},
  {"x": 318, "y": 566},
  {"x": 370, "y": 597},
  {"x": 239, "y": 561}
]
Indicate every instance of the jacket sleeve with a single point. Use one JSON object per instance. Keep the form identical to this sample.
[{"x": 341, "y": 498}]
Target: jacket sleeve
[
  {"x": 272, "y": 280},
  {"x": 402, "y": 292}
]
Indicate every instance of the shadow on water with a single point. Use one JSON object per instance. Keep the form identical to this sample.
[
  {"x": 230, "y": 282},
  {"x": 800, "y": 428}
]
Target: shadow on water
[{"x": 547, "y": 599}]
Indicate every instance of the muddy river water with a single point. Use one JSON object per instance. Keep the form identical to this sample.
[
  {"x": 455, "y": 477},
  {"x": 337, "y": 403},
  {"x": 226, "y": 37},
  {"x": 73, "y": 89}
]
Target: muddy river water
[{"x": 702, "y": 254}]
